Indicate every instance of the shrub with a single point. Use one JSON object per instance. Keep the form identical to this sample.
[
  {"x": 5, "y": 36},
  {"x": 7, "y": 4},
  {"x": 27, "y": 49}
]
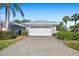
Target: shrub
[
  {"x": 24, "y": 33},
  {"x": 54, "y": 34},
  {"x": 64, "y": 35},
  {"x": 76, "y": 36},
  {"x": 7, "y": 35},
  {"x": 21, "y": 32}
]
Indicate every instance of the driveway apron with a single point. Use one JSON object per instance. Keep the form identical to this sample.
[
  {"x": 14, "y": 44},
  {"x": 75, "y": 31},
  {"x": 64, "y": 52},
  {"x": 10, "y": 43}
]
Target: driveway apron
[{"x": 39, "y": 46}]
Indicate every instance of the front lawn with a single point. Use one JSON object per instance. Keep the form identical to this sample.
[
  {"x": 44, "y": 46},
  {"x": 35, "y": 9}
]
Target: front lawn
[
  {"x": 72, "y": 44},
  {"x": 6, "y": 43},
  {"x": 71, "y": 39}
]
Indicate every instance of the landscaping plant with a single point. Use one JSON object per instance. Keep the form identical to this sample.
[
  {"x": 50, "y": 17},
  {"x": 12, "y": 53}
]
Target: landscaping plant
[{"x": 7, "y": 35}]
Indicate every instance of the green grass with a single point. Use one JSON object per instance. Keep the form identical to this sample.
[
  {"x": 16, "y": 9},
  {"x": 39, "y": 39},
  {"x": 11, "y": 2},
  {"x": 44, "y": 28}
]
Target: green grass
[
  {"x": 72, "y": 44},
  {"x": 6, "y": 43}
]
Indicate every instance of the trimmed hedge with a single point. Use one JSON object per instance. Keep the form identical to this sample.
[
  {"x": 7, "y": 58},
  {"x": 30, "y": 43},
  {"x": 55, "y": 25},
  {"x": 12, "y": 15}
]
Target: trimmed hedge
[
  {"x": 65, "y": 35},
  {"x": 7, "y": 35}
]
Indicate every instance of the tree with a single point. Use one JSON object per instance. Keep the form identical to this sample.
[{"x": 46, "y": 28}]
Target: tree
[
  {"x": 17, "y": 21},
  {"x": 65, "y": 19},
  {"x": 8, "y": 8},
  {"x": 26, "y": 20},
  {"x": 75, "y": 17},
  {"x": 60, "y": 27},
  {"x": 61, "y": 24},
  {"x": 21, "y": 21}
]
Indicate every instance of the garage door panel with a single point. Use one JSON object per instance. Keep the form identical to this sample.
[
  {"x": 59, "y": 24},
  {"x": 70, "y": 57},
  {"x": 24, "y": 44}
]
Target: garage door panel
[{"x": 39, "y": 32}]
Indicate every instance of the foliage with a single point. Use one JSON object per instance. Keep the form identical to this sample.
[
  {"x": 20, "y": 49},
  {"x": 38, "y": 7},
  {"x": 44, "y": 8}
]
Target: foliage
[
  {"x": 72, "y": 44},
  {"x": 60, "y": 27},
  {"x": 7, "y": 35},
  {"x": 8, "y": 8},
  {"x": 17, "y": 21},
  {"x": 12, "y": 7},
  {"x": 77, "y": 25},
  {"x": 21, "y": 32},
  {"x": 24, "y": 33},
  {"x": 25, "y": 20},
  {"x": 74, "y": 26},
  {"x": 21, "y": 21},
  {"x": 65, "y": 19},
  {"x": 6, "y": 43},
  {"x": 75, "y": 17},
  {"x": 65, "y": 35}
]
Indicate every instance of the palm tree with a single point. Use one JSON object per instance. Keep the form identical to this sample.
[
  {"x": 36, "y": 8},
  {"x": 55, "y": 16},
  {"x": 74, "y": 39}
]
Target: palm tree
[
  {"x": 8, "y": 8},
  {"x": 65, "y": 19},
  {"x": 75, "y": 17}
]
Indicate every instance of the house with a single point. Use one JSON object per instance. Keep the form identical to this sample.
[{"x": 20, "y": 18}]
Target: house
[
  {"x": 35, "y": 28},
  {"x": 41, "y": 28},
  {"x": 15, "y": 27},
  {"x": 12, "y": 26}
]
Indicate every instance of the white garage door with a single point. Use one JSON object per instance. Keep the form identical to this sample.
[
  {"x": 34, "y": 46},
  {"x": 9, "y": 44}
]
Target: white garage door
[{"x": 39, "y": 32}]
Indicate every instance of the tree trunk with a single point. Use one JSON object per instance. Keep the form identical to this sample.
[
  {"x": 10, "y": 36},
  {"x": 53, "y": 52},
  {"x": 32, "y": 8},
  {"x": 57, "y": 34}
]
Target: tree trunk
[
  {"x": 7, "y": 15},
  {"x": 65, "y": 25},
  {"x": 6, "y": 22},
  {"x": 75, "y": 22},
  {"x": 75, "y": 30}
]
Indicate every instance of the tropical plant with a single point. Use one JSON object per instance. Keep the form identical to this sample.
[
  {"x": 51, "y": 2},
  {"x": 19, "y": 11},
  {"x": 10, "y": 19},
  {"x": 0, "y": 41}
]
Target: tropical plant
[
  {"x": 17, "y": 21},
  {"x": 21, "y": 21},
  {"x": 10, "y": 7},
  {"x": 65, "y": 19},
  {"x": 75, "y": 26},
  {"x": 65, "y": 35},
  {"x": 60, "y": 27},
  {"x": 7, "y": 35},
  {"x": 26, "y": 20},
  {"x": 75, "y": 17}
]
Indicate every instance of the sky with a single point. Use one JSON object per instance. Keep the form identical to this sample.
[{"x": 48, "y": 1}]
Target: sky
[{"x": 46, "y": 11}]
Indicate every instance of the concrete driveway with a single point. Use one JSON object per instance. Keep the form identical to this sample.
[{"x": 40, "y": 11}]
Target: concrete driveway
[{"x": 39, "y": 46}]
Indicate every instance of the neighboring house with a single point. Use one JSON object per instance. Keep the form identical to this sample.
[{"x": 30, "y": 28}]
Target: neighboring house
[
  {"x": 15, "y": 27},
  {"x": 12, "y": 26},
  {"x": 41, "y": 28},
  {"x": 1, "y": 26}
]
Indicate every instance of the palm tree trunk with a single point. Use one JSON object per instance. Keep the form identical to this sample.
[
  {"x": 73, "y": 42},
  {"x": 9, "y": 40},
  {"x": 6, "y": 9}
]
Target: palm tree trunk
[
  {"x": 65, "y": 25},
  {"x": 8, "y": 17},
  {"x": 75, "y": 22},
  {"x": 6, "y": 22},
  {"x": 75, "y": 27}
]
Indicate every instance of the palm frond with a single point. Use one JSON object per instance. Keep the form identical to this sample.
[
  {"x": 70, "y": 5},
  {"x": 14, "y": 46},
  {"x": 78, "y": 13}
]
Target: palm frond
[
  {"x": 13, "y": 11},
  {"x": 1, "y": 4},
  {"x": 17, "y": 7}
]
